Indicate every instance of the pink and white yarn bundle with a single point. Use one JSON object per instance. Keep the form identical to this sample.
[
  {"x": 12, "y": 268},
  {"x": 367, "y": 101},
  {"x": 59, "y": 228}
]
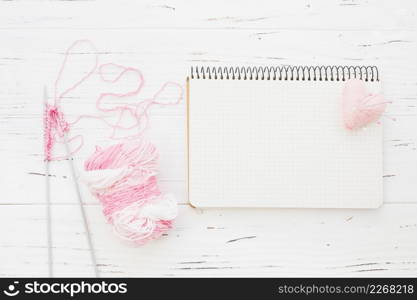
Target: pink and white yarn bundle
[{"x": 123, "y": 178}]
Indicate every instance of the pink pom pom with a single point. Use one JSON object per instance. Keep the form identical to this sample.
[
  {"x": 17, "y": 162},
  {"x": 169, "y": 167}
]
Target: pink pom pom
[{"x": 360, "y": 108}]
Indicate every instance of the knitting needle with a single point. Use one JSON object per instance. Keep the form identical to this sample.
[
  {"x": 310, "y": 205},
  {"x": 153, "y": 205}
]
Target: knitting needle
[
  {"x": 80, "y": 203},
  {"x": 48, "y": 202}
]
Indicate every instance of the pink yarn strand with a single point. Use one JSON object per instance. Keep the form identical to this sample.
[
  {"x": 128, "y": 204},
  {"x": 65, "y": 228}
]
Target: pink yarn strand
[
  {"x": 139, "y": 110},
  {"x": 57, "y": 98}
]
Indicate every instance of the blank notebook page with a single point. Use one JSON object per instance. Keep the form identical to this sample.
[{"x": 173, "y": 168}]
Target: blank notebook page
[{"x": 271, "y": 143}]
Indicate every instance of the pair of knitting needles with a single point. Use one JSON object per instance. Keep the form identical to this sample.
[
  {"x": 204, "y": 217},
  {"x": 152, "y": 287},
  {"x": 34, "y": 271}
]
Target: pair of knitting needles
[{"x": 80, "y": 204}]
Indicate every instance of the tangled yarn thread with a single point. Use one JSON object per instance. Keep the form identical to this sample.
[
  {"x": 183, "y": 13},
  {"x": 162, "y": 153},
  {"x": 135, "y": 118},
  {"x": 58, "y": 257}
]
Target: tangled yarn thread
[{"x": 122, "y": 176}]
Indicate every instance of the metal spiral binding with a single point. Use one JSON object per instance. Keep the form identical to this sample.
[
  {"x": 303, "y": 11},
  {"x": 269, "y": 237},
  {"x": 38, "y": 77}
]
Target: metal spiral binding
[{"x": 299, "y": 73}]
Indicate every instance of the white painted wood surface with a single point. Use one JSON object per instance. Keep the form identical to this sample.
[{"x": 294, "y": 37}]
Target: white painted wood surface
[{"x": 163, "y": 38}]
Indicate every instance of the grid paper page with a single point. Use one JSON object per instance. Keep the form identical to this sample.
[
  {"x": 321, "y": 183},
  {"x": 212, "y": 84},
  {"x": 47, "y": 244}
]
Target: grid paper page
[{"x": 278, "y": 144}]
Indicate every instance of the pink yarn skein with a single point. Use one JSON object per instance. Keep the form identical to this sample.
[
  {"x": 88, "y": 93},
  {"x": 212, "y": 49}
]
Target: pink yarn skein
[{"x": 123, "y": 178}]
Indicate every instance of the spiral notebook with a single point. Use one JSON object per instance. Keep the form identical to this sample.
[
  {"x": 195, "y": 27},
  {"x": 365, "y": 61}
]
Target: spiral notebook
[{"x": 273, "y": 137}]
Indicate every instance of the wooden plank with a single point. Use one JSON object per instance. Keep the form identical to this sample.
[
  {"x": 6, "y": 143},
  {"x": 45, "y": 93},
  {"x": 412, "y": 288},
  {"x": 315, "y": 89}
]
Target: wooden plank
[
  {"x": 214, "y": 242},
  {"x": 215, "y": 14}
]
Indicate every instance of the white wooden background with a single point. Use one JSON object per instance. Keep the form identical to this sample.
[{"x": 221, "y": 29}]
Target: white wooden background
[{"x": 163, "y": 38}]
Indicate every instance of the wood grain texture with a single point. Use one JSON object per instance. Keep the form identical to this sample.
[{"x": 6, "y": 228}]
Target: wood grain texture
[
  {"x": 216, "y": 14},
  {"x": 220, "y": 242},
  {"x": 163, "y": 39}
]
